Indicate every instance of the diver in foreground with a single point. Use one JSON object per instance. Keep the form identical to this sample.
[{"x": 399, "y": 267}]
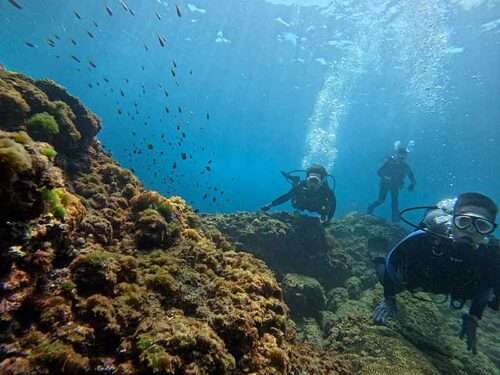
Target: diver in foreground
[
  {"x": 453, "y": 253},
  {"x": 392, "y": 175},
  {"x": 312, "y": 194}
]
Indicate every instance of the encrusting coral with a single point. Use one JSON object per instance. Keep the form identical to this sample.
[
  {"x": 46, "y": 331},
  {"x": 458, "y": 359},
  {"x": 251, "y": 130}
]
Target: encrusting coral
[
  {"x": 100, "y": 276},
  {"x": 423, "y": 342}
]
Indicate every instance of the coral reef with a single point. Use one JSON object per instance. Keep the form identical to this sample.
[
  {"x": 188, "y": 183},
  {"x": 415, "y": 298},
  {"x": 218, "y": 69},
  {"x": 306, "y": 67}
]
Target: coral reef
[
  {"x": 101, "y": 276},
  {"x": 424, "y": 340}
]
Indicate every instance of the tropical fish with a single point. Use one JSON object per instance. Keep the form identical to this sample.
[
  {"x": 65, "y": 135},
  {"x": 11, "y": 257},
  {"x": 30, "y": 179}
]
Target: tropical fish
[
  {"x": 73, "y": 41},
  {"x": 57, "y": 37},
  {"x": 75, "y": 58},
  {"x": 166, "y": 92},
  {"x": 174, "y": 63},
  {"x": 179, "y": 14},
  {"x": 29, "y": 44},
  {"x": 208, "y": 168},
  {"x": 162, "y": 40},
  {"x": 167, "y": 110},
  {"x": 105, "y": 79},
  {"x": 77, "y": 15},
  {"x": 50, "y": 42},
  {"x": 16, "y": 4},
  {"x": 92, "y": 63},
  {"x": 90, "y": 34},
  {"x": 96, "y": 25},
  {"x": 173, "y": 72},
  {"x": 108, "y": 9},
  {"x": 125, "y": 7}
]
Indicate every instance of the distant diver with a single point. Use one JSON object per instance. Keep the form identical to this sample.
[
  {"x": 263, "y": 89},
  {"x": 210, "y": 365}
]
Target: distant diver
[
  {"x": 453, "y": 252},
  {"x": 312, "y": 194},
  {"x": 392, "y": 175}
]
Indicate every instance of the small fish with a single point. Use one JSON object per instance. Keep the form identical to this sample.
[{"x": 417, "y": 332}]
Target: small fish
[
  {"x": 96, "y": 25},
  {"x": 179, "y": 109},
  {"x": 150, "y": 146},
  {"x": 158, "y": 15},
  {"x": 183, "y": 156},
  {"x": 146, "y": 47},
  {"x": 105, "y": 79},
  {"x": 50, "y": 42},
  {"x": 75, "y": 58},
  {"x": 126, "y": 80},
  {"x": 166, "y": 92},
  {"x": 179, "y": 14},
  {"x": 29, "y": 44},
  {"x": 208, "y": 116},
  {"x": 108, "y": 9},
  {"x": 73, "y": 41},
  {"x": 124, "y": 6},
  {"x": 190, "y": 72},
  {"x": 16, "y": 4},
  {"x": 174, "y": 165},
  {"x": 92, "y": 63},
  {"x": 90, "y": 34},
  {"x": 167, "y": 110},
  {"x": 119, "y": 110},
  {"x": 77, "y": 15},
  {"x": 131, "y": 11},
  {"x": 205, "y": 196},
  {"x": 214, "y": 199},
  {"x": 89, "y": 85},
  {"x": 177, "y": 82},
  {"x": 122, "y": 93},
  {"x": 57, "y": 37},
  {"x": 174, "y": 63},
  {"x": 162, "y": 40}
]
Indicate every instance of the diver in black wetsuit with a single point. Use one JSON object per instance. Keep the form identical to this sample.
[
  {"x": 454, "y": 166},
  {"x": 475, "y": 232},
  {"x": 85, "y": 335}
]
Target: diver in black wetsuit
[
  {"x": 465, "y": 264},
  {"x": 312, "y": 194},
  {"x": 392, "y": 175}
]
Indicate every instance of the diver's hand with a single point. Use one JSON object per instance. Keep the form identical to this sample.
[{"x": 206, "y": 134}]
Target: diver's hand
[
  {"x": 411, "y": 187},
  {"x": 388, "y": 309},
  {"x": 469, "y": 332},
  {"x": 266, "y": 208}
]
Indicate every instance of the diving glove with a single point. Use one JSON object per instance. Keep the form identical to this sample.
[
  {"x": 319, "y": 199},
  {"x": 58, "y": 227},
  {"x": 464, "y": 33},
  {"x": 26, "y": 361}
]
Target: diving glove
[
  {"x": 469, "y": 332},
  {"x": 387, "y": 310}
]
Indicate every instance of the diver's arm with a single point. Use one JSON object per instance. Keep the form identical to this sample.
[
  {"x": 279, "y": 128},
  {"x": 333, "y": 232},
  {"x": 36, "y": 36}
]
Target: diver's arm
[
  {"x": 382, "y": 171},
  {"x": 411, "y": 175},
  {"x": 284, "y": 198}
]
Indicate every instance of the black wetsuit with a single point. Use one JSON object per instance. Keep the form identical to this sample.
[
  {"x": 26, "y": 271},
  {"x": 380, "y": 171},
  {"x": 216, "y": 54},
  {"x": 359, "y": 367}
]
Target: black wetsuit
[
  {"x": 392, "y": 175},
  {"x": 423, "y": 262},
  {"x": 322, "y": 200}
]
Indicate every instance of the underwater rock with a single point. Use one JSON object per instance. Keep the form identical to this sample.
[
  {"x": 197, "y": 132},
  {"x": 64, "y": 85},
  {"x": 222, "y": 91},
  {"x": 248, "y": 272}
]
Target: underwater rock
[
  {"x": 303, "y": 294},
  {"x": 101, "y": 276}
]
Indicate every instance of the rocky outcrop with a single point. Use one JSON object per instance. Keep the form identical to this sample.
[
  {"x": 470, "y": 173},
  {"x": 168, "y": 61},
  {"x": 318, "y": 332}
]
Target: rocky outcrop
[
  {"x": 308, "y": 258},
  {"x": 101, "y": 276}
]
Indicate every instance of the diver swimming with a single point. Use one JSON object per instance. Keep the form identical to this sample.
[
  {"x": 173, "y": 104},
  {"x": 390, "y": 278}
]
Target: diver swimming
[
  {"x": 452, "y": 252},
  {"x": 312, "y": 194},
  {"x": 392, "y": 175}
]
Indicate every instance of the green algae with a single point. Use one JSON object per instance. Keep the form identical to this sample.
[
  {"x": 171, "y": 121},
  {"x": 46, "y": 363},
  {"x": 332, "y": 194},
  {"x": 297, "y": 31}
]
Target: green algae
[{"x": 42, "y": 127}]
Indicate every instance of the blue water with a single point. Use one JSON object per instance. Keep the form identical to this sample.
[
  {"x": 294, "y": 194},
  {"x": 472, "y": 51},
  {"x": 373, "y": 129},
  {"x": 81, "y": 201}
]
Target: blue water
[{"x": 284, "y": 85}]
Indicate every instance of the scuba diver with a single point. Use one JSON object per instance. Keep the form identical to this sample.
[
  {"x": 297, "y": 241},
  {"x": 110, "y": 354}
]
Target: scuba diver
[
  {"x": 392, "y": 175},
  {"x": 453, "y": 252},
  {"x": 312, "y": 194}
]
